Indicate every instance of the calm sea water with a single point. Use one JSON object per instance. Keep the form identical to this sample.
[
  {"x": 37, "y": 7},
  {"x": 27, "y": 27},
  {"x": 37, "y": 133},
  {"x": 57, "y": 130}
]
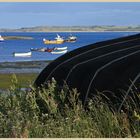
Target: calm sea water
[{"x": 84, "y": 38}]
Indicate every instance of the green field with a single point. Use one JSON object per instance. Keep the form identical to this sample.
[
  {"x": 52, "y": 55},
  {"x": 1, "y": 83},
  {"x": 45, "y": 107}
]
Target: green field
[{"x": 23, "y": 79}]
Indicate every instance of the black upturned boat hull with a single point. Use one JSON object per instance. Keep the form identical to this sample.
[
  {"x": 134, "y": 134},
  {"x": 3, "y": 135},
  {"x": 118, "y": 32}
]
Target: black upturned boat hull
[{"x": 109, "y": 65}]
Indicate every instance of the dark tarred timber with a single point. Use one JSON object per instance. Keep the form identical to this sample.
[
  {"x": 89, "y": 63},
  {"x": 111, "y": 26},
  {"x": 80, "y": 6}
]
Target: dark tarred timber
[{"x": 107, "y": 65}]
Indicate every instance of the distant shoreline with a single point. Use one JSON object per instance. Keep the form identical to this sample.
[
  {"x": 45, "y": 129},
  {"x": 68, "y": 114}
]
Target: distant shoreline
[
  {"x": 94, "y": 31},
  {"x": 91, "y": 28},
  {"x": 63, "y": 31}
]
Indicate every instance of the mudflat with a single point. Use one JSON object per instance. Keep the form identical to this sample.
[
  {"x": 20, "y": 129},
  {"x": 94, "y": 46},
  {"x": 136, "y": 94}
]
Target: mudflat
[{"x": 23, "y": 67}]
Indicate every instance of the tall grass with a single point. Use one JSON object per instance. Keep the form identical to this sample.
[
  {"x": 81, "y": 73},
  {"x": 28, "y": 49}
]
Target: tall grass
[{"x": 55, "y": 112}]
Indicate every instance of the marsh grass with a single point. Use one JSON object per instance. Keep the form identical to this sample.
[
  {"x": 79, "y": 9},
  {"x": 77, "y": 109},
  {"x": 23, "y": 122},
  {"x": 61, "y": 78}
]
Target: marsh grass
[
  {"x": 58, "y": 113},
  {"x": 23, "y": 79}
]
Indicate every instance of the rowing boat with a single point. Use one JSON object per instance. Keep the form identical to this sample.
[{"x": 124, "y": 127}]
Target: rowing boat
[
  {"x": 62, "y": 48},
  {"x": 59, "y": 52},
  {"x": 27, "y": 54}
]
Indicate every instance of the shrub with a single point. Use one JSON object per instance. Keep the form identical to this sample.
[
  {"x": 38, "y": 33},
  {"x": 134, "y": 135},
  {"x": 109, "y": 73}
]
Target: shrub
[{"x": 55, "y": 112}]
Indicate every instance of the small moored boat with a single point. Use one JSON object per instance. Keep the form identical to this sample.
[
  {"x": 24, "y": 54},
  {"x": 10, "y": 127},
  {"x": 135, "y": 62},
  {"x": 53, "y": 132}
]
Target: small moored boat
[
  {"x": 1, "y": 38},
  {"x": 58, "y": 40},
  {"x": 71, "y": 38},
  {"x": 60, "y": 48},
  {"x": 34, "y": 49},
  {"x": 38, "y": 49},
  {"x": 27, "y": 54},
  {"x": 42, "y": 49},
  {"x": 48, "y": 49},
  {"x": 59, "y": 52}
]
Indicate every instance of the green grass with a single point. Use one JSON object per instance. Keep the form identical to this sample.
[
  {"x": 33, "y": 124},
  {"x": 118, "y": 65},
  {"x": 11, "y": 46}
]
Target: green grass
[
  {"x": 58, "y": 113},
  {"x": 23, "y": 78}
]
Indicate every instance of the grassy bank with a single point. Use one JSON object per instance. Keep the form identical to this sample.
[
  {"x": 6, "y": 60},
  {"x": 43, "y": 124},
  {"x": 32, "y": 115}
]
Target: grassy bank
[
  {"x": 25, "y": 71},
  {"x": 54, "y": 113},
  {"x": 23, "y": 78}
]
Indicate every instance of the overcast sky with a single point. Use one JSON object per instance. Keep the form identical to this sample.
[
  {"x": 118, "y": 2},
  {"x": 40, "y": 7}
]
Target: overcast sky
[{"x": 27, "y": 14}]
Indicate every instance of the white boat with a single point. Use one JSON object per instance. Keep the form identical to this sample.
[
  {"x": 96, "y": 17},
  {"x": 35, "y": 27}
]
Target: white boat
[
  {"x": 1, "y": 38},
  {"x": 27, "y": 54},
  {"x": 62, "y": 48},
  {"x": 59, "y": 38},
  {"x": 59, "y": 52},
  {"x": 71, "y": 38}
]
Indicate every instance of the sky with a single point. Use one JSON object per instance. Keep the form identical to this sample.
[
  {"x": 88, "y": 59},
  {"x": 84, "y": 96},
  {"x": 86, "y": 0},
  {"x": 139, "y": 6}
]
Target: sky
[{"x": 30, "y": 14}]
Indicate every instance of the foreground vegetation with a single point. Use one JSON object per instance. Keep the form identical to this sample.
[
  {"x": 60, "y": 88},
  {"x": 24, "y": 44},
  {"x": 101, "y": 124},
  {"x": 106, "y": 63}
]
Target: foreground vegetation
[{"x": 59, "y": 113}]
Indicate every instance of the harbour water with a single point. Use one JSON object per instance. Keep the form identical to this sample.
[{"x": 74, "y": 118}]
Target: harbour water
[{"x": 83, "y": 38}]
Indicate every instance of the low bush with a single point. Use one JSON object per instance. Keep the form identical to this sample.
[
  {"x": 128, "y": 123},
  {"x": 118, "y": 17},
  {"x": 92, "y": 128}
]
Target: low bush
[{"x": 58, "y": 113}]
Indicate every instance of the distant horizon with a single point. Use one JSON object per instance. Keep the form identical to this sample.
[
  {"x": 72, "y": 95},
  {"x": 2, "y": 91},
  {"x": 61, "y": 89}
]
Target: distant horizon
[{"x": 17, "y": 15}]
